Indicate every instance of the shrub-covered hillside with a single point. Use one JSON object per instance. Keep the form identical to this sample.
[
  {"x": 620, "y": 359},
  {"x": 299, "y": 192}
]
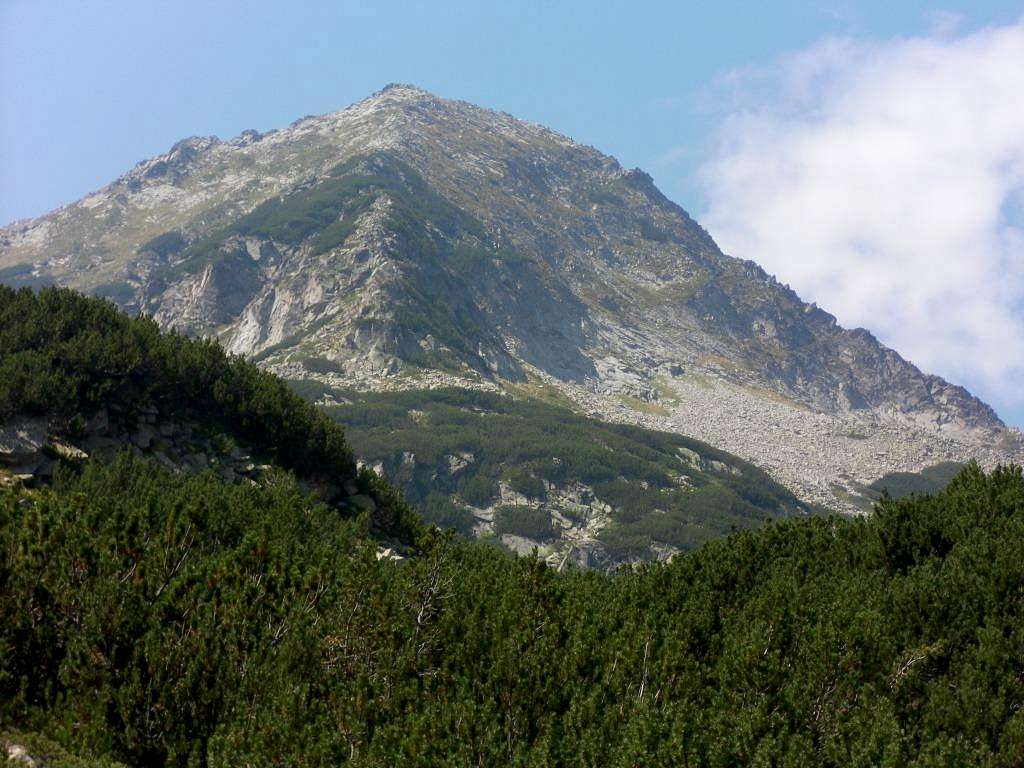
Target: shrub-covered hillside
[
  {"x": 513, "y": 466},
  {"x": 155, "y": 617},
  {"x": 157, "y": 620},
  {"x": 64, "y": 358}
]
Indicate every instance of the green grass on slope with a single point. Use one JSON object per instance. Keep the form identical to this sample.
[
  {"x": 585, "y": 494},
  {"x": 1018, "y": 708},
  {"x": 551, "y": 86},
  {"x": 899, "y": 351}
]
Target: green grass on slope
[
  {"x": 524, "y": 443},
  {"x": 156, "y": 620}
]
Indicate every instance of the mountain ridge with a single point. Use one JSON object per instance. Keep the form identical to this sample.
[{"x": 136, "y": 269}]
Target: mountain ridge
[{"x": 471, "y": 248}]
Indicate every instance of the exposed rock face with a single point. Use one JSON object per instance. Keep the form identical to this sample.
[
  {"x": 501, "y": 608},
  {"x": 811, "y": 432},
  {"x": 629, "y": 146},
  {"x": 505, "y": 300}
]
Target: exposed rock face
[
  {"x": 408, "y": 238},
  {"x": 21, "y": 441},
  {"x": 18, "y": 755},
  {"x": 577, "y": 516}
]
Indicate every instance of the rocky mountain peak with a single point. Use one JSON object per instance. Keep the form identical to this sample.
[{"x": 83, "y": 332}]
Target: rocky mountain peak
[
  {"x": 405, "y": 91},
  {"x": 410, "y": 240}
]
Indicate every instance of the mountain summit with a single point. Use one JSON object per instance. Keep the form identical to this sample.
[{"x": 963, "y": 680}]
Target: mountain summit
[{"x": 410, "y": 241}]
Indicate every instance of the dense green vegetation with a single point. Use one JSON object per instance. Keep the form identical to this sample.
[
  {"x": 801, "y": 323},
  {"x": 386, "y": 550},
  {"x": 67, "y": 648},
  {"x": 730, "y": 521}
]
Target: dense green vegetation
[
  {"x": 64, "y": 356},
  {"x": 157, "y": 620},
  {"x": 525, "y": 443},
  {"x": 523, "y": 521},
  {"x": 928, "y": 480}
]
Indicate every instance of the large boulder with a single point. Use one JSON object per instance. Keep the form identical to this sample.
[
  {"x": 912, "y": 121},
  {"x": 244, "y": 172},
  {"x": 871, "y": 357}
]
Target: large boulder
[{"x": 21, "y": 441}]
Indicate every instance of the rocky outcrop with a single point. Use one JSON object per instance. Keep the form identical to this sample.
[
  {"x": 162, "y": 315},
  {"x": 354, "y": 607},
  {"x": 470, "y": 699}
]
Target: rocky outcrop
[
  {"x": 18, "y": 755},
  {"x": 21, "y": 449},
  {"x": 30, "y": 449},
  {"x": 214, "y": 295}
]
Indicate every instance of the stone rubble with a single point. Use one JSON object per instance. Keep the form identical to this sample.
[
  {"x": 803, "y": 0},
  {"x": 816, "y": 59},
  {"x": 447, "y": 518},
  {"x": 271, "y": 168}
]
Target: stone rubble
[{"x": 822, "y": 458}]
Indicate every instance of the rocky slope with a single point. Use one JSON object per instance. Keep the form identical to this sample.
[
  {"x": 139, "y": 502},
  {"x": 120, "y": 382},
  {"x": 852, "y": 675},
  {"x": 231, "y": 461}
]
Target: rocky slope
[
  {"x": 411, "y": 241},
  {"x": 531, "y": 474}
]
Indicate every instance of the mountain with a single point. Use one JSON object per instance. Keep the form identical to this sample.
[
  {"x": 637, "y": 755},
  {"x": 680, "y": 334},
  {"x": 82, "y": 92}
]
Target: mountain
[
  {"x": 410, "y": 242},
  {"x": 537, "y": 475},
  {"x": 80, "y": 380}
]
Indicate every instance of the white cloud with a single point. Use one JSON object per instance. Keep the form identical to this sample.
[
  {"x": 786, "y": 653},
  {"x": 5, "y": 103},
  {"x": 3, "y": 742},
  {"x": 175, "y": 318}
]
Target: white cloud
[{"x": 885, "y": 181}]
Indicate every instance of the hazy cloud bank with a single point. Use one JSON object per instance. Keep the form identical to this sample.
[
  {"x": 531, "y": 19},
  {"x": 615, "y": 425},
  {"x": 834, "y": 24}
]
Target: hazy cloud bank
[{"x": 886, "y": 182}]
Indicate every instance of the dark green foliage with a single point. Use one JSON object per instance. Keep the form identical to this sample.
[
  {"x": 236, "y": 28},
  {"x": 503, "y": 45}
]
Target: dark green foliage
[
  {"x": 928, "y": 480},
  {"x": 478, "y": 490},
  {"x": 64, "y": 356},
  {"x": 160, "y": 620},
  {"x": 523, "y": 521},
  {"x": 439, "y": 510},
  {"x": 524, "y": 442},
  {"x": 321, "y": 365},
  {"x": 154, "y": 618},
  {"x": 525, "y": 482},
  {"x": 155, "y": 590}
]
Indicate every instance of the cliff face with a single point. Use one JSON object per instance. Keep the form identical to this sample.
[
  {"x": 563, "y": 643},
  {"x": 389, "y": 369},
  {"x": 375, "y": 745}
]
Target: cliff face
[{"x": 408, "y": 240}]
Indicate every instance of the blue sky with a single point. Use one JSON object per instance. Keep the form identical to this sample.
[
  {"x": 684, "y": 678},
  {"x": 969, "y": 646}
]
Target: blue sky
[{"x": 87, "y": 89}]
